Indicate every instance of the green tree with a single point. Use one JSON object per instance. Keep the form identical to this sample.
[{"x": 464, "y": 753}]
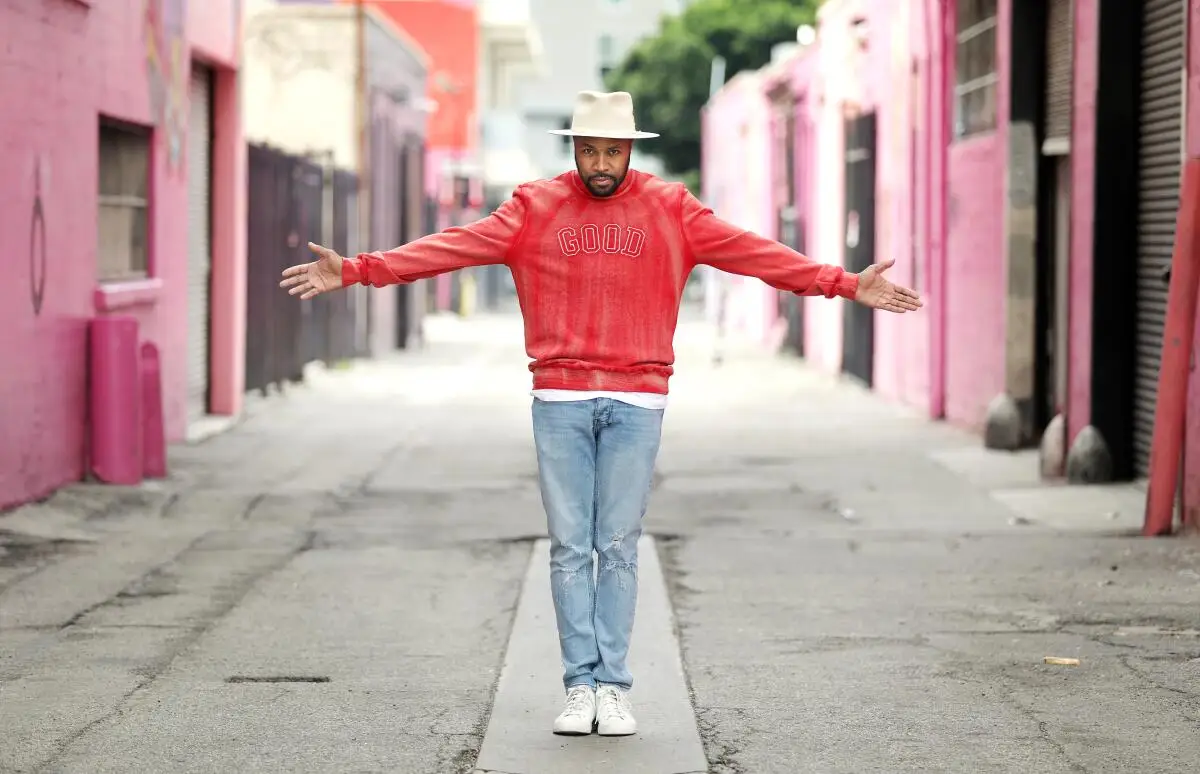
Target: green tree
[{"x": 668, "y": 74}]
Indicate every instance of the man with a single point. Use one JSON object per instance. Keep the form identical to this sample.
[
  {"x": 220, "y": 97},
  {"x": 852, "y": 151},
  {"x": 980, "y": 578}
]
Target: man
[{"x": 599, "y": 257}]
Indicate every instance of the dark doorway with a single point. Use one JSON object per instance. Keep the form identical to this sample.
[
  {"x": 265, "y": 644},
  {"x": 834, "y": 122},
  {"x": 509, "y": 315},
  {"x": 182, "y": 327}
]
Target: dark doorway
[
  {"x": 858, "y": 322},
  {"x": 403, "y": 292},
  {"x": 792, "y": 304}
]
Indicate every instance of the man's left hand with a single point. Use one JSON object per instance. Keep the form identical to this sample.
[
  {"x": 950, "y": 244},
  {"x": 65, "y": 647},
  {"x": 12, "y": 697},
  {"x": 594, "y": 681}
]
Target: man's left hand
[{"x": 877, "y": 292}]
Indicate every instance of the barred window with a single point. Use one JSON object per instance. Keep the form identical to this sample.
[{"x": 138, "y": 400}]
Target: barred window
[
  {"x": 975, "y": 76},
  {"x": 123, "y": 203}
]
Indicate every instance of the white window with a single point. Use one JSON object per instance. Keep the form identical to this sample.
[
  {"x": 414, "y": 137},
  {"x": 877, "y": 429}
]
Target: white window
[
  {"x": 124, "y": 203},
  {"x": 617, "y": 7},
  {"x": 607, "y": 54}
]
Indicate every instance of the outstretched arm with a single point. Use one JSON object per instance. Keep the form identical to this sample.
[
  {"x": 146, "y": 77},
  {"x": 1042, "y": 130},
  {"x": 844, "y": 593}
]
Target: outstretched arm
[
  {"x": 486, "y": 241},
  {"x": 717, "y": 243},
  {"x": 482, "y": 243}
]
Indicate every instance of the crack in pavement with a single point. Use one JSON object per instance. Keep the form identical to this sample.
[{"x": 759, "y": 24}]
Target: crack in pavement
[
  {"x": 156, "y": 667},
  {"x": 1003, "y": 691},
  {"x": 1124, "y": 660}
]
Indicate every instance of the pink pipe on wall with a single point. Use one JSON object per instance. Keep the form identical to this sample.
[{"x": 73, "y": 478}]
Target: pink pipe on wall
[
  {"x": 1191, "y": 446},
  {"x": 229, "y": 248},
  {"x": 938, "y": 25}
]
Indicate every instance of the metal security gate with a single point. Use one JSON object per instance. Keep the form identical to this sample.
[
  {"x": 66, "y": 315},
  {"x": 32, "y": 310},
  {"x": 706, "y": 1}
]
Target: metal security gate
[
  {"x": 199, "y": 188},
  {"x": 1059, "y": 39},
  {"x": 1160, "y": 149},
  {"x": 1054, "y": 215},
  {"x": 292, "y": 199},
  {"x": 858, "y": 322}
]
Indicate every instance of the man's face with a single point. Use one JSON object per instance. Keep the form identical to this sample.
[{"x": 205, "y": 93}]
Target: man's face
[{"x": 602, "y": 163}]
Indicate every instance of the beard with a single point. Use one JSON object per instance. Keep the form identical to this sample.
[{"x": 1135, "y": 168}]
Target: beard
[{"x": 607, "y": 190}]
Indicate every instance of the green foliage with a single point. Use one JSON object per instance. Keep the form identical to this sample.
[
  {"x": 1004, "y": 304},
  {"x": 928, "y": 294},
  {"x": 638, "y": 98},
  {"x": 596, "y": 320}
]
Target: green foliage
[
  {"x": 668, "y": 74},
  {"x": 691, "y": 179}
]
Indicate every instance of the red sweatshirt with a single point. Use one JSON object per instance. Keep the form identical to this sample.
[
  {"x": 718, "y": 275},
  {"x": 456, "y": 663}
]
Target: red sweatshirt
[{"x": 600, "y": 279}]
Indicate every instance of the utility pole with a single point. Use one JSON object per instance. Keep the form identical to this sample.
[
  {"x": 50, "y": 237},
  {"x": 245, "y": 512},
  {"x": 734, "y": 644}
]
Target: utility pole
[
  {"x": 363, "y": 125},
  {"x": 716, "y": 282}
]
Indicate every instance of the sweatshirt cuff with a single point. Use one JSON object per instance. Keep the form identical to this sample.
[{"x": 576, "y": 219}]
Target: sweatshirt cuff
[
  {"x": 351, "y": 272},
  {"x": 847, "y": 285}
]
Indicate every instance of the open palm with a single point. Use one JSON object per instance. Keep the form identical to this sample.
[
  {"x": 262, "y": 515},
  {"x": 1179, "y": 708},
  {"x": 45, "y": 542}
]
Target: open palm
[
  {"x": 312, "y": 279},
  {"x": 877, "y": 292}
]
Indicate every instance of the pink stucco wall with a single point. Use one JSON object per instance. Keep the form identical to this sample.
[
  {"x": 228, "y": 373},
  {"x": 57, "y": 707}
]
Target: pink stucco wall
[
  {"x": 975, "y": 261},
  {"x": 879, "y": 80},
  {"x": 68, "y": 63},
  {"x": 831, "y": 80},
  {"x": 739, "y": 184},
  {"x": 902, "y": 350}
]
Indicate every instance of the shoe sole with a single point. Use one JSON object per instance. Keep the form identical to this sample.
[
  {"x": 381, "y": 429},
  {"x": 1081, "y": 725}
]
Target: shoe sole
[
  {"x": 616, "y": 733},
  {"x": 575, "y": 733}
]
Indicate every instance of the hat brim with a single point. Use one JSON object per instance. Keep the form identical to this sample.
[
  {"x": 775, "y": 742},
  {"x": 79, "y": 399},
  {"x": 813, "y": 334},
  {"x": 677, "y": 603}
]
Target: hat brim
[{"x": 608, "y": 135}]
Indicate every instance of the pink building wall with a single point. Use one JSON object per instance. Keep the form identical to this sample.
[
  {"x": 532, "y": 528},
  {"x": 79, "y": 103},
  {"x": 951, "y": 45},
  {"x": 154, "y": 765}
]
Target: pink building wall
[
  {"x": 67, "y": 64},
  {"x": 1083, "y": 139},
  {"x": 975, "y": 272},
  {"x": 843, "y": 80},
  {"x": 739, "y": 184},
  {"x": 902, "y": 351},
  {"x": 823, "y": 317}
]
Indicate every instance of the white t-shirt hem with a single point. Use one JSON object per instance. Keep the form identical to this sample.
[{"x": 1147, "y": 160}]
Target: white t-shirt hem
[{"x": 646, "y": 400}]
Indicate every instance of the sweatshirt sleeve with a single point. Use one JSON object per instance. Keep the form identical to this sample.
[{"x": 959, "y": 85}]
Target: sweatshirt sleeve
[
  {"x": 717, "y": 243},
  {"x": 485, "y": 242}
]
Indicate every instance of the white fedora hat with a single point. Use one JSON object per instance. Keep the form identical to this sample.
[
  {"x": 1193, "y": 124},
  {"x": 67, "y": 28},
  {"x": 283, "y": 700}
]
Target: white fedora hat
[{"x": 598, "y": 114}]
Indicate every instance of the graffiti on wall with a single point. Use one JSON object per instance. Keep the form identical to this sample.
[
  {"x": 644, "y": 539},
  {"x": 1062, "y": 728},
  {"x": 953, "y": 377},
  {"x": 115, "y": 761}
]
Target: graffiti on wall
[
  {"x": 37, "y": 236},
  {"x": 167, "y": 71}
]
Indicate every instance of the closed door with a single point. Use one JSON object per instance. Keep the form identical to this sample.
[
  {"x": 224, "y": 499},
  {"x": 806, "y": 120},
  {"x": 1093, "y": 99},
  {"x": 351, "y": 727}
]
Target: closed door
[
  {"x": 858, "y": 321},
  {"x": 1160, "y": 150},
  {"x": 199, "y": 188}
]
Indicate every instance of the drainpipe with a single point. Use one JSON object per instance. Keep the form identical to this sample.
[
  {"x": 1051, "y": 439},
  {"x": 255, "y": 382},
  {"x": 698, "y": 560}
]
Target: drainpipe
[
  {"x": 936, "y": 196},
  {"x": 363, "y": 121}
]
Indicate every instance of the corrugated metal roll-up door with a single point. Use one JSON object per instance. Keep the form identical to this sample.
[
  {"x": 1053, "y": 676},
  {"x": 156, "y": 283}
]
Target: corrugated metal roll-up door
[
  {"x": 1058, "y": 73},
  {"x": 199, "y": 187},
  {"x": 1159, "y": 157}
]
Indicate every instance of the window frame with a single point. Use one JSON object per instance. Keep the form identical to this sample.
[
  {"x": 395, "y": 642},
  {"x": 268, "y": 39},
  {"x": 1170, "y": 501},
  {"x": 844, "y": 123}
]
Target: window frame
[
  {"x": 126, "y": 201},
  {"x": 974, "y": 29},
  {"x": 606, "y": 55}
]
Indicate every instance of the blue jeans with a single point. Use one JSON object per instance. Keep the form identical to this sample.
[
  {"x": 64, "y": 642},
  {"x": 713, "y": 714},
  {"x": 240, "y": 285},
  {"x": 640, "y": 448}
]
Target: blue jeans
[{"x": 595, "y": 467}]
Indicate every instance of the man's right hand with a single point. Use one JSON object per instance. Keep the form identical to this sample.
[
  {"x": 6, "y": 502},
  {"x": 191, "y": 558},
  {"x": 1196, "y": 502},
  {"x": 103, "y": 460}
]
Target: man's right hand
[{"x": 312, "y": 279}]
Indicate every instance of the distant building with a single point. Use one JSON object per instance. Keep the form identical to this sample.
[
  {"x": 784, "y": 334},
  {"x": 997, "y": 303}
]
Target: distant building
[
  {"x": 581, "y": 40},
  {"x": 301, "y": 97}
]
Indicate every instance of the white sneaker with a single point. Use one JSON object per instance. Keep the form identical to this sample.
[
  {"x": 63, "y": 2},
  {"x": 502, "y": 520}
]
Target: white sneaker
[
  {"x": 614, "y": 715},
  {"x": 579, "y": 715}
]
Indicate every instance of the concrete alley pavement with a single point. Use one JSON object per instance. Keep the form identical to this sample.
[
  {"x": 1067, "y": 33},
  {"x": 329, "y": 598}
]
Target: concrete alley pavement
[{"x": 332, "y": 586}]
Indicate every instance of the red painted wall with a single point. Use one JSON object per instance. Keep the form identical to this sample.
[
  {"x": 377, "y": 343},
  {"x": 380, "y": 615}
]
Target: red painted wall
[
  {"x": 66, "y": 64},
  {"x": 448, "y": 31},
  {"x": 975, "y": 262}
]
